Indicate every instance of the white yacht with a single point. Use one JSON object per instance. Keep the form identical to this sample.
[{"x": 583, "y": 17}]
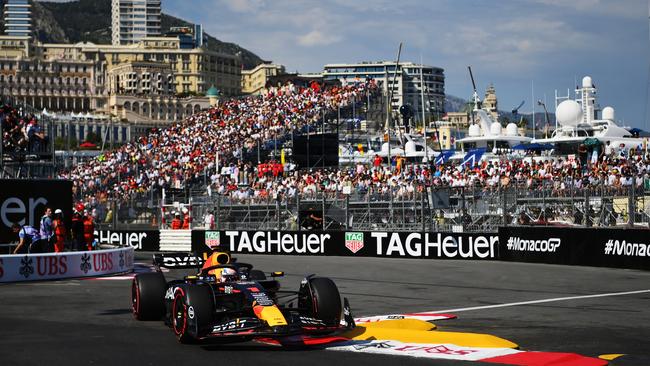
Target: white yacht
[
  {"x": 579, "y": 120},
  {"x": 364, "y": 149},
  {"x": 486, "y": 132}
]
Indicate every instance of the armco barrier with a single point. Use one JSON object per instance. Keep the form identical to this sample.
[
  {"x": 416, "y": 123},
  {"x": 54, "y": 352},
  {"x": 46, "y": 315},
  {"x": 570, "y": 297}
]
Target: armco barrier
[
  {"x": 618, "y": 248},
  {"x": 352, "y": 244},
  {"x": 52, "y": 266}
]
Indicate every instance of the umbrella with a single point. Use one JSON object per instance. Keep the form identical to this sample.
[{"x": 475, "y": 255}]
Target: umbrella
[{"x": 88, "y": 145}]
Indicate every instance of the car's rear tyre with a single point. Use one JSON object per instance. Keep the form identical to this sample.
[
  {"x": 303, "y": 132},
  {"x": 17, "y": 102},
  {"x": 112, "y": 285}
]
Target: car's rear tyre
[
  {"x": 148, "y": 296},
  {"x": 324, "y": 301},
  {"x": 192, "y": 313}
]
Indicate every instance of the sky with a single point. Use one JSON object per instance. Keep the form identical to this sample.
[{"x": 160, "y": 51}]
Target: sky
[{"x": 520, "y": 46}]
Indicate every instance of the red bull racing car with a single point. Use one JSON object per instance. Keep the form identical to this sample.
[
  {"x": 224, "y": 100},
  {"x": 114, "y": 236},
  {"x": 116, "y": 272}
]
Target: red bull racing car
[{"x": 232, "y": 301}]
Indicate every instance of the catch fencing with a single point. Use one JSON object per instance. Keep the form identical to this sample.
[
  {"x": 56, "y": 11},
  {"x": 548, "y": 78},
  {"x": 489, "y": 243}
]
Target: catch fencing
[{"x": 449, "y": 209}]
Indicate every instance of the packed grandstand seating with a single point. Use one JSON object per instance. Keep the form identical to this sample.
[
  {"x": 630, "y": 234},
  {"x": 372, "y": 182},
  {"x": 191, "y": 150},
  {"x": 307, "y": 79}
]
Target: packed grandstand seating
[{"x": 188, "y": 151}]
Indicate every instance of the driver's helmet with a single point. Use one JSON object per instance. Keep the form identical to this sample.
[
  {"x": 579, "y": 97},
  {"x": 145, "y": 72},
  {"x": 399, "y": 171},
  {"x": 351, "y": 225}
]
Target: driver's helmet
[{"x": 227, "y": 275}]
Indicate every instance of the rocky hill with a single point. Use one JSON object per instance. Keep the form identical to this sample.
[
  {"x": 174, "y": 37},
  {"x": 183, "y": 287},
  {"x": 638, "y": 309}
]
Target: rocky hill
[{"x": 90, "y": 21}]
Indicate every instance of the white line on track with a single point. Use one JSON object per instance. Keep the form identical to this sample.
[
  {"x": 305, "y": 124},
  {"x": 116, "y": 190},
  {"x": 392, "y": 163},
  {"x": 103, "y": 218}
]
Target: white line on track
[{"x": 538, "y": 301}]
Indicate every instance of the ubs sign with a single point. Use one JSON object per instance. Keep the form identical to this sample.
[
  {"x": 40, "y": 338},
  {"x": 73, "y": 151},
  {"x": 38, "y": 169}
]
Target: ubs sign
[{"x": 24, "y": 201}]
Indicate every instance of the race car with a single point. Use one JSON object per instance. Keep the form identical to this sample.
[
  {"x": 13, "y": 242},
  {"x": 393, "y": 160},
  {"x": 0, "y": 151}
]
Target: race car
[{"x": 232, "y": 301}]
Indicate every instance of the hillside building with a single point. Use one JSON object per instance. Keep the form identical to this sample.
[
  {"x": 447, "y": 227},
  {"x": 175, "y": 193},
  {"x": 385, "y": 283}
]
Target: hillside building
[
  {"x": 151, "y": 83},
  {"x": 134, "y": 20},
  {"x": 18, "y": 18},
  {"x": 404, "y": 80},
  {"x": 254, "y": 81}
]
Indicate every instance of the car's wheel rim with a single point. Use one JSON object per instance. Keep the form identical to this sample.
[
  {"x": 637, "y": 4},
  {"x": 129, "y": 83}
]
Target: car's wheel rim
[
  {"x": 179, "y": 314},
  {"x": 135, "y": 299}
]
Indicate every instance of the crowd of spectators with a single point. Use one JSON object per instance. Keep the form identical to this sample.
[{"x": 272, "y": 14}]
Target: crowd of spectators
[
  {"x": 169, "y": 158},
  {"x": 21, "y": 132},
  {"x": 613, "y": 173}
]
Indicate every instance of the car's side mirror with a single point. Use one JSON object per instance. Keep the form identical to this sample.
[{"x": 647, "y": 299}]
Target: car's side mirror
[{"x": 277, "y": 274}]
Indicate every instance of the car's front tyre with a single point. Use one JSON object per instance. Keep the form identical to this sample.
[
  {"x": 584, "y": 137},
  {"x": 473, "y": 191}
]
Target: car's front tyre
[{"x": 192, "y": 313}]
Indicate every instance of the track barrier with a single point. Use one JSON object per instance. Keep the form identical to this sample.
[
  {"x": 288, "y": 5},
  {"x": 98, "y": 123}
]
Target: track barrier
[
  {"x": 53, "y": 266},
  {"x": 616, "y": 248}
]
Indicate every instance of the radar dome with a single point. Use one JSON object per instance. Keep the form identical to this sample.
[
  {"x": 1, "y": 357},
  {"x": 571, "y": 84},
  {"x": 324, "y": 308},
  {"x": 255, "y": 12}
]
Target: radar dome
[
  {"x": 568, "y": 113},
  {"x": 511, "y": 129},
  {"x": 587, "y": 82},
  {"x": 409, "y": 147},
  {"x": 495, "y": 128},
  {"x": 608, "y": 113},
  {"x": 474, "y": 131}
]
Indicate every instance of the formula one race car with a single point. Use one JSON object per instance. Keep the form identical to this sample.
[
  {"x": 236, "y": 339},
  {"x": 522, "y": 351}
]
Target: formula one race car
[{"x": 234, "y": 302}]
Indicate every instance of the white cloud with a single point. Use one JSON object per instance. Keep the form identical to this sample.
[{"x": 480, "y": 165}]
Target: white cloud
[
  {"x": 244, "y": 6},
  {"x": 317, "y": 38}
]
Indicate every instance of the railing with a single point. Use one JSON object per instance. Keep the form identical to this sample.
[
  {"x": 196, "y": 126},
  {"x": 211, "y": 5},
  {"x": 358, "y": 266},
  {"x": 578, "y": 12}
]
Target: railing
[{"x": 467, "y": 209}]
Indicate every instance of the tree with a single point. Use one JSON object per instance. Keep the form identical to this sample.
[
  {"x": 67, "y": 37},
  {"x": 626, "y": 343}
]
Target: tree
[
  {"x": 61, "y": 143},
  {"x": 94, "y": 138}
]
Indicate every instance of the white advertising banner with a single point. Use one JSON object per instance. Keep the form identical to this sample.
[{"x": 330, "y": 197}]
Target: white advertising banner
[{"x": 52, "y": 266}]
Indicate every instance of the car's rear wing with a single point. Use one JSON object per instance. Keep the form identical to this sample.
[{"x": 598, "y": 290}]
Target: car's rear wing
[{"x": 178, "y": 260}]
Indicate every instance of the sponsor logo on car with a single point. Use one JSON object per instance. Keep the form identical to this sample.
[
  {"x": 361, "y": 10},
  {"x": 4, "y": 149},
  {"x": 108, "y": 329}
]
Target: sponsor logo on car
[
  {"x": 262, "y": 299},
  {"x": 540, "y": 246},
  {"x": 181, "y": 261},
  {"x": 169, "y": 294},
  {"x": 354, "y": 241},
  {"x": 236, "y": 324},
  {"x": 190, "y": 312},
  {"x": 311, "y": 321}
]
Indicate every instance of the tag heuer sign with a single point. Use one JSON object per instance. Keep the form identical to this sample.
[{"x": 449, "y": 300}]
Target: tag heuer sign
[
  {"x": 212, "y": 239},
  {"x": 354, "y": 241}
]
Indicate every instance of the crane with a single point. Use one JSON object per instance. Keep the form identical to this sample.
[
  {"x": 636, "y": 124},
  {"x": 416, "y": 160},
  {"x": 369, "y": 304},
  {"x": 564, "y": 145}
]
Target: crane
[{"x": 515, "y": 111}]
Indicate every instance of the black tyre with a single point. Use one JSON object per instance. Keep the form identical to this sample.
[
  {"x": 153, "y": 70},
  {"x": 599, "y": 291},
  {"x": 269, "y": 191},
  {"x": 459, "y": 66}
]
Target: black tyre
[
  {"x": 257, "y": 275},
  {"x": 192, "y": 313},
  {"x": 325, "y": 301},
  {"x": 148, "y": 296}
]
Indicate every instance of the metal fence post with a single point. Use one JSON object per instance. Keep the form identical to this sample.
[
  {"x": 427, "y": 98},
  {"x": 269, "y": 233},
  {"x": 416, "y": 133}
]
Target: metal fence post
[
  {"x": 630, "y": 206},
  {"x": 218, "y": 216},
  {"x": 277, "y": 212},
  {"x": 424, "y": 221},
  {"x": 347, "y": 211},
  {"x": 505, "y": 206},
  {"x": 298, "y": 211},
  {"x": 323, "y": 212}
]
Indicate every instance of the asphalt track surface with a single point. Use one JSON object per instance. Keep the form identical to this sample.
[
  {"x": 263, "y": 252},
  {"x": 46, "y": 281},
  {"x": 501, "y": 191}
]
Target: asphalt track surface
[{"x": 89, "y": 322}]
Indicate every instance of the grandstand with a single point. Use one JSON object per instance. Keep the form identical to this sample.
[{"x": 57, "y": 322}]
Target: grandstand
[
  {"x": 27, "y": 149},
  {"x": 211, "y": 161}
]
